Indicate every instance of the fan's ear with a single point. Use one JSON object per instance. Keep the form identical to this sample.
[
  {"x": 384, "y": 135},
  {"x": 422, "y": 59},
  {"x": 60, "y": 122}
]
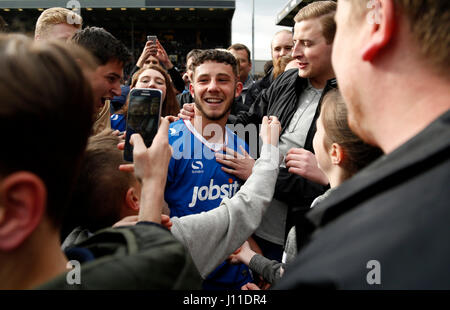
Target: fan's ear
[
  {"x": 23, "y": 199},
  {"x": 382, "y": 21}
]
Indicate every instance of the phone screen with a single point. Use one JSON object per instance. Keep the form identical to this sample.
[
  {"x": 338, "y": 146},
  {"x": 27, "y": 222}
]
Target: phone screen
[
  {"x": 152, "y": 39},
  {"x": 144, "y": 111}
]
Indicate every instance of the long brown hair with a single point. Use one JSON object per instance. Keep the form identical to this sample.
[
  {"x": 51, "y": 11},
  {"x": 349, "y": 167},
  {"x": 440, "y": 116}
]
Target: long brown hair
[
  {"x": 170, "y": 105},
  {"x": 358, "y": 154}
]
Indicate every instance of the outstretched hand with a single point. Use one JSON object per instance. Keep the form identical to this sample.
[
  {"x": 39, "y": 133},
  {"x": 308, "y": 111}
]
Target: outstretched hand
[
  {"x": 163, "y": 57},
  {"x": 304, "y": 163},
  {"x": 270, "y": 130},
  {"x": 238, "y": 165},
  {"x": 152, "y": 163},
  {"x": 187, "y": 112},
  {"x": 150, "y": 167},
  {"x": 149, "y": 50}
]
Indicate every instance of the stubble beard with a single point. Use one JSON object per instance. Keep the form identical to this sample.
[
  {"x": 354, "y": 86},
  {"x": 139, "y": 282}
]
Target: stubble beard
[{"x": 212, "y": 117}]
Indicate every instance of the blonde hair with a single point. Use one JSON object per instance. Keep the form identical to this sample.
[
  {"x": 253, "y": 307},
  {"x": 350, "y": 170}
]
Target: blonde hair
[
  {"x": 55, "y": 16},
  {"x": 429, "y": 24},
  {"x": 325, "y": 10}
]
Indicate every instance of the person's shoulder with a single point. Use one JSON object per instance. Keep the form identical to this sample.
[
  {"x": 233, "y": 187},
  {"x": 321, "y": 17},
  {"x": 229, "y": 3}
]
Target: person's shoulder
[
  {"x": 179, "y": 125},
  {"x": 176, "y": 130},
  {"x": 148, "y": 255},
  {"x": 289, "y": 77}
]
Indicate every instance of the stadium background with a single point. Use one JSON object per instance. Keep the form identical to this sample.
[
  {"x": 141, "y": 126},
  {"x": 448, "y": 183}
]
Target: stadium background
[{"x": 180, "y": 25}]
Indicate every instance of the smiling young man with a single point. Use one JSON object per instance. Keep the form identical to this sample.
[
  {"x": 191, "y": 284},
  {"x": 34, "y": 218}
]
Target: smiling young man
[
  {"x": 112, "y": 56},
  {"x": 195, "y": 181}
]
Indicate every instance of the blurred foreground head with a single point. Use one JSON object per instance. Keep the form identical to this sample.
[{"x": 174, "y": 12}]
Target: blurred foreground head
[{"x": 45, "y": 118}]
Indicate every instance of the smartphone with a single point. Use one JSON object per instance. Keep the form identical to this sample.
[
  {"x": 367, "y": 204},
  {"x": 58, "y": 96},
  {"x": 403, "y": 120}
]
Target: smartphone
[
  {"x": 152, "y": 39},
  {"x": 144, "y": 113}
]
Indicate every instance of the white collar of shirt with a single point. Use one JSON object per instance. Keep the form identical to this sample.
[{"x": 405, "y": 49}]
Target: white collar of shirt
[{"x": 213, "y": 146}]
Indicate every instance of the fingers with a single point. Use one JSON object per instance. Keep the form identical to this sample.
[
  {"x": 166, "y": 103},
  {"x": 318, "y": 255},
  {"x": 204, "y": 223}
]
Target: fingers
[
  {"x": 121, "y": 146},
  {"x": 227, "y": 157},
  {"x": 296, "y": 150},
  {"x": 244, "y": 152},
  {"x": 172, "y": 118},
  {"x": 185, "y": 117},
  {"x": 270, "y": 130},
  {"x": 187, "y": 112},
  {"x": 127, "y": 168},
  {"x": 230, "y": 153},
  {"x": 163, "y": 132},
  {"x": 295, "y": 157},
  {"x": 189, "y": 107},
  {"x": 227, "y": 163},
  {"x": 166, "y": 222},
  {"x": 230, "y": 171},
  {"x": 138, "y": 144},
  {"x": 273, "y": 119},
  {"x": 265, "y": 121},
  {"x": 297, "y": 171}
]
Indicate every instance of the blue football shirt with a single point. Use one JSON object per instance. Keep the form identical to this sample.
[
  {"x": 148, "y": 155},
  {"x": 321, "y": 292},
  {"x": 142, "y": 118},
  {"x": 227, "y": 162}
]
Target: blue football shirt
[
  {"x": 195, "y": 180},
  {"x": 196, "y": 183}
]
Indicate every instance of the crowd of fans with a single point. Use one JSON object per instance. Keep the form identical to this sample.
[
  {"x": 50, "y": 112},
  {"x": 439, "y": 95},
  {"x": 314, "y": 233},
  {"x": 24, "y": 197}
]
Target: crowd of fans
[{"x": 351, "y": 166}]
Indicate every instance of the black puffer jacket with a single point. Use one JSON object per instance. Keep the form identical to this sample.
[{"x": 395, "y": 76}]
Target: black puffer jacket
[{"x": 280, "y": 100}]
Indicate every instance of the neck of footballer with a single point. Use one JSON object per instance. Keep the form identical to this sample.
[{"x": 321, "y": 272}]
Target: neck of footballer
[{"x": 211, "y": 129}]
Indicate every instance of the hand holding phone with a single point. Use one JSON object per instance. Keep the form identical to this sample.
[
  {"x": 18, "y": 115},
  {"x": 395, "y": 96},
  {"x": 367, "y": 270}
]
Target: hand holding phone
[
  {"x": 144, "y": 112},
  {"x": 153, "y": 39}
]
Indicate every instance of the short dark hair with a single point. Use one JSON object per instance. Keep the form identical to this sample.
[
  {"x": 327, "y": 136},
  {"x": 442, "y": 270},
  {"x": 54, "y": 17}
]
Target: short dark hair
[
  {"x": 102, "y": 45},
  {"x": 101, "y": 187},
  {"x": 46, "y": 114},
  {"x": 240, "y": 47},
  {"x": 220, "y": 56}
]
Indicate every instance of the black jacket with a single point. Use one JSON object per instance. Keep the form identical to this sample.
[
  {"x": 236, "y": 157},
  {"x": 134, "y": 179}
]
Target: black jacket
[
  {"x": 254, "y": 90},
  {"x": 280, "y": 100},
  {"x": 396, "y": 211},
  {"x": 141, "y": 257}
]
